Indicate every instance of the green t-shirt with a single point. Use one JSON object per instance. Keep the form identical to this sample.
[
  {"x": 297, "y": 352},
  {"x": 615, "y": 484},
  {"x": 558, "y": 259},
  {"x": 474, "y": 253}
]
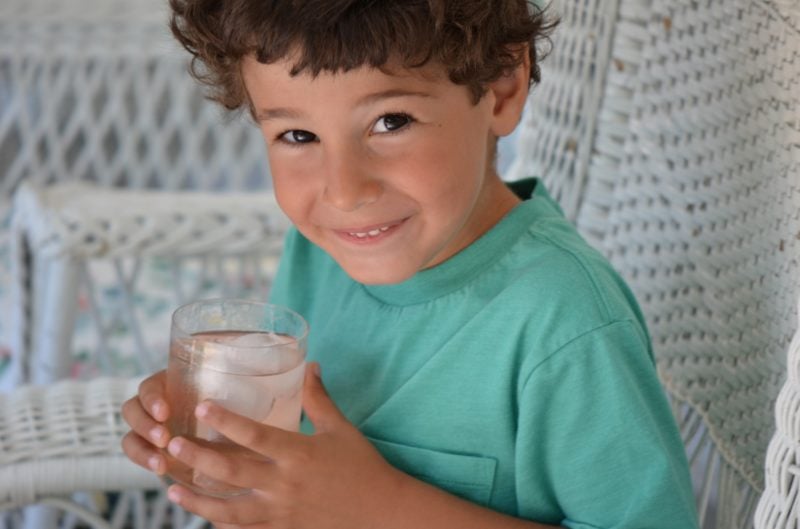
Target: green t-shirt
[{"x": 517, "y": 374}]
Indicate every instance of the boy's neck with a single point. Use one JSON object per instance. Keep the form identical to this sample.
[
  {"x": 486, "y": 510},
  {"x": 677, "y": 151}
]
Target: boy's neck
[{"x": 499, "y": 200}]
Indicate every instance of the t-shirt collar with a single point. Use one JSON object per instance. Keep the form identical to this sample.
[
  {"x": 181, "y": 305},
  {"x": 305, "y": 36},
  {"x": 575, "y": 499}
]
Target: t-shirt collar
[{"x": 462, "y": 268}]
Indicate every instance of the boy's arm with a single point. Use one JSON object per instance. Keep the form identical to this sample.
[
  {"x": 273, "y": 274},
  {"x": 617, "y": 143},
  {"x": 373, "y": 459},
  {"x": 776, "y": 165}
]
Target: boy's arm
[
  {"x": 612, "y": 453},
  {"x": 332, "y": 479}
]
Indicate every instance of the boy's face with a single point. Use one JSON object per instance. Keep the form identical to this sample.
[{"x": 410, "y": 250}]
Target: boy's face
[{"x": 389, "y": 174}]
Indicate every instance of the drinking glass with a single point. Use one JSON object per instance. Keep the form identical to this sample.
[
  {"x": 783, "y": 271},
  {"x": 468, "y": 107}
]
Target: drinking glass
[{"x": 247, "y": 356}]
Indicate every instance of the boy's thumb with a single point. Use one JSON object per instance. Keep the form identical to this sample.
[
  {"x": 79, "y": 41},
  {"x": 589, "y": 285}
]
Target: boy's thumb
[{"x": 320, "y": 409}]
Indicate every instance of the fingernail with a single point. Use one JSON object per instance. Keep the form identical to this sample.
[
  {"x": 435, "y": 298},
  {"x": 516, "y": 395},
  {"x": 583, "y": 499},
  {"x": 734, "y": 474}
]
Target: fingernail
[
  {"x": 316, "y": 370},
  {"x": 173, "y": 495},
  {"x": 174, "y": 447},
  {"x": 157, "y": 433},
  {"x": 202, "y": 409},
  {"x": 154, "y": 463},
  {"x": 157, "y": 407}
]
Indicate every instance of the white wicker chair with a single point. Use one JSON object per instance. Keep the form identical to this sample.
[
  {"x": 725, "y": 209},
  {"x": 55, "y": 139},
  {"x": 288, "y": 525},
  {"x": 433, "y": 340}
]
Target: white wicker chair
[
  {"x": 669, "y": 132},
  {"x": 779, "y": 506},
  {"x": 65, "y": 438},
  {"x": 98, "y": 91}
]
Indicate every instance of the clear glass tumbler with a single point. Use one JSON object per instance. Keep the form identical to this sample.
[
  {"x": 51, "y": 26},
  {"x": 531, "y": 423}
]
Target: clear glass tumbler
[{"x": 244, "y": 355}]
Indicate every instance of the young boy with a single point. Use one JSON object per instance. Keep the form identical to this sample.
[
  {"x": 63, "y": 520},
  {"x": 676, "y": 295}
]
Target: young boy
[{"x": 484, "y": 367}]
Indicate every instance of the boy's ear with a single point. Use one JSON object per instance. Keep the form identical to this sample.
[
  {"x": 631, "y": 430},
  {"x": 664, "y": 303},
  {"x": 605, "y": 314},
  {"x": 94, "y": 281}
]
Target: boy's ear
[{"x": 510, "y": 93}]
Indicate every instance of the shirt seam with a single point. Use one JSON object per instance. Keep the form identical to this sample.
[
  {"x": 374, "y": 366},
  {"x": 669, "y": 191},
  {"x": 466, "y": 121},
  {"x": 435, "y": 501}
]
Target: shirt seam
[
  {"x": 580, "y": 260},
  {"x": 559, "y": 349}
]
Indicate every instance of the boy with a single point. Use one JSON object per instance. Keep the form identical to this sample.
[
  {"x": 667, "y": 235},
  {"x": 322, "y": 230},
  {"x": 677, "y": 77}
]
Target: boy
[{"x": 484, "y": 367}]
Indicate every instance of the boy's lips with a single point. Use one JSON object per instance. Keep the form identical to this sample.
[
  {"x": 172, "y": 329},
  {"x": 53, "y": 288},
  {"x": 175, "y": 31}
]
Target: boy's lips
[{"x": 371, "y": 233}]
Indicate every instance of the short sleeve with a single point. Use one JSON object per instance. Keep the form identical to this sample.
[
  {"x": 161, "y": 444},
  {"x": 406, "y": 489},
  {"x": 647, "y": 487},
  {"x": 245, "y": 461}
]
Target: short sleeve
[{"x": 597, "y": 439}]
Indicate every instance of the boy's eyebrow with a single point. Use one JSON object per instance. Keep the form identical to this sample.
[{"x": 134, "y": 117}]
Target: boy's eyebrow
[
  {"x": 275, "y": 113},
  {"x": 267, "y": 114},
  {"x": 390, "y": 93}
]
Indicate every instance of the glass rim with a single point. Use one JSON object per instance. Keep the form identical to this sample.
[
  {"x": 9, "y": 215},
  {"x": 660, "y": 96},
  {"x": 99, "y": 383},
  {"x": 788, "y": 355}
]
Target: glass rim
[{"x": 242, "y": 301}]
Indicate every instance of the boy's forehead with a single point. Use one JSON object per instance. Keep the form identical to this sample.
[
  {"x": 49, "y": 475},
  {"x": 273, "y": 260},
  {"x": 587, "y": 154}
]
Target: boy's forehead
[
  {"x": 394, "y": 71},
  {"x": 274, "y": 92}
]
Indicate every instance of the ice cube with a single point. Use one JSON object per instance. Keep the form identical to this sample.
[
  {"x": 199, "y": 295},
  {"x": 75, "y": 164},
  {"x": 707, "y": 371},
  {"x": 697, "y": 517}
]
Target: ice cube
[
  {"x": 246, "y": 373},
  {"x": 250, "y": 354},
  {"x": 260, "y": 339},
  {"x": 243, "y": 395},
  {"x": 266, "y": 353}
]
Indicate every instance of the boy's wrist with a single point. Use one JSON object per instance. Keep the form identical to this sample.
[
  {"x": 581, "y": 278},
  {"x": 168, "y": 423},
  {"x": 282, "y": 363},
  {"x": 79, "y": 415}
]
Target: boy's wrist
[{"x": 396, "y": 496}]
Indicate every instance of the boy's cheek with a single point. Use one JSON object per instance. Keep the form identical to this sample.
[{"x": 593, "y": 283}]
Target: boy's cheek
[{"x": 292, "y": 186}]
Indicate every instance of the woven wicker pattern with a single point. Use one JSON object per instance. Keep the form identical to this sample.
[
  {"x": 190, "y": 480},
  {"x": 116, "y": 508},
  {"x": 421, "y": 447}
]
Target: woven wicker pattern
[
  {"x": 704, "y": 219},
  {"x": 85, "y": 221},
  {"x": 97, "y": 90},
  {"x": 557, "y": 132},
  {"x": 779, "y": 507},
  {"x": 60, "y": 447},
  {"x": 693, "y": 190},
  {"x": 63, "y": 229},
  {"x": 789, "y": 10},
  {"x": 88, "y": 11},
  {"x": 71, "y": 427},
  {"x": 100, "y": 91}
]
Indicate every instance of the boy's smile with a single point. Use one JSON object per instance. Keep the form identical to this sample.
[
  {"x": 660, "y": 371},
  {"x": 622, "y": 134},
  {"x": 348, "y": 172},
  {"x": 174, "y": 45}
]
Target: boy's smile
[{"x": 389, "y": 173}]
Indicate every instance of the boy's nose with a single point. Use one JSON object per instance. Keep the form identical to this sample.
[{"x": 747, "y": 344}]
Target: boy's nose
[{"x": 350, "y": 186}]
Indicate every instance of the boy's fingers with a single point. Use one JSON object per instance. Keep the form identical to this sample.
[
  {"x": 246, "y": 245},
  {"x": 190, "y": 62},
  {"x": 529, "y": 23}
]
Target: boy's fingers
[
  {"x": 152, "y": 393},
  {"x": 143, "y": 424},
  {"x": 143, "y": 454},
  {"x": 239, "y": 469},
  {"x": 318, "y": 405},
  {"x": 267, "y": 440},
  {"x": 235, "y": 512}
]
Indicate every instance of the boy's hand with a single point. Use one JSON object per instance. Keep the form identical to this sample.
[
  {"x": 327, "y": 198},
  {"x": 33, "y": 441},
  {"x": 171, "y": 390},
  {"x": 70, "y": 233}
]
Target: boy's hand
[
  {"x": 332, "y": 479},
  {"x": 145, "y": 414}
]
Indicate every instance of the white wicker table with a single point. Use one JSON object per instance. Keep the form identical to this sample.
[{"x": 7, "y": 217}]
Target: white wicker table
[{"x": 59, "y": 229}]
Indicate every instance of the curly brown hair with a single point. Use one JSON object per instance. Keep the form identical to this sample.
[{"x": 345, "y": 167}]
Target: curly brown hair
[{"x": 476, "y": 40}]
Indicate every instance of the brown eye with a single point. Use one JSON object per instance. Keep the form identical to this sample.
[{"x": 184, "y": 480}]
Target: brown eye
[
  {"x": 298, "y": 136},
  {"x": 392, "y": 122}
]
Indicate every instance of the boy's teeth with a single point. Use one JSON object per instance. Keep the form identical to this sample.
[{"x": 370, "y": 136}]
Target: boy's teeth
[{"x": 371, "y": 233}]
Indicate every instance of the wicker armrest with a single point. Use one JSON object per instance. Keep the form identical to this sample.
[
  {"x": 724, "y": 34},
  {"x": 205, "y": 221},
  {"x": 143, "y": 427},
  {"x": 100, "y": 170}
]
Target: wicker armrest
[{"x": 778, "y": 505}]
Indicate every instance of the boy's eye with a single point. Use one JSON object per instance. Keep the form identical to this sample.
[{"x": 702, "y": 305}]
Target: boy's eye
[
  {"x": 392, "y": 122},
  {"x": 298, "y": 136}
]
